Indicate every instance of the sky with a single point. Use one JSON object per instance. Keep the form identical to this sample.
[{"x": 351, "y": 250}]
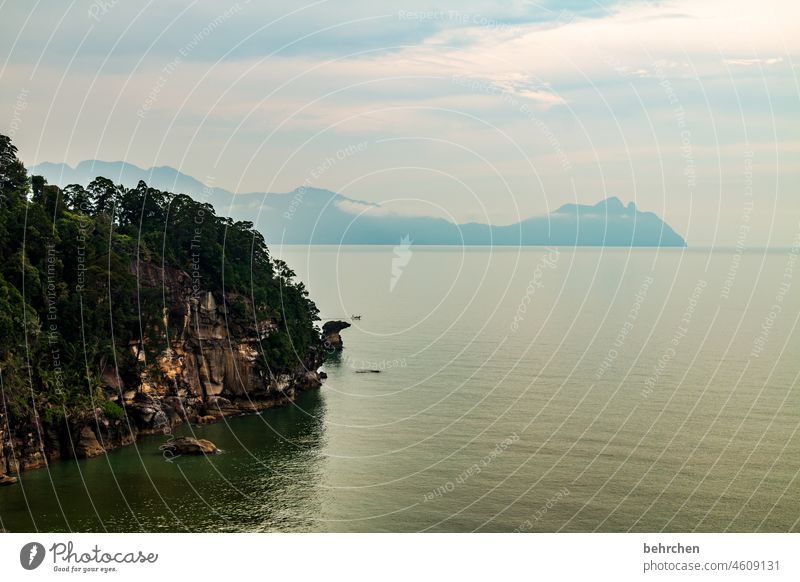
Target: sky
[{"x": 470, "y": 110}]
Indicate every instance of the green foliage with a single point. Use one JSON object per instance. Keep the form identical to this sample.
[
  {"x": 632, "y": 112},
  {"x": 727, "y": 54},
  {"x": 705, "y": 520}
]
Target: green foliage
[
  {"x": 52, "y": 414},
  {"x": 112, "y": 410},
  {"x": 71, "y": 303}
]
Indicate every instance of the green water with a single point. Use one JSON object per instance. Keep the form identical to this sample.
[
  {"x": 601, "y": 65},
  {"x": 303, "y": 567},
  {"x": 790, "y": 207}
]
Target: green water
[{"x": 570, "y": 406}]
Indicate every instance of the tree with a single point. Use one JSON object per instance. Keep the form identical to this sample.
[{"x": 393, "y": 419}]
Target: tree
[
  {"x": 71, "y": 252},
  {"x": 77, "y": 198},
  {"x": 13, "y": 177},
  {"x": 103, "y": 194}
]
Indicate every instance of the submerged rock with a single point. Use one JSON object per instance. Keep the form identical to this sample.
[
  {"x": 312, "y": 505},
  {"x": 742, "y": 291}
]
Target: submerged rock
[
  {"x": 190, "y": 446},
  {"x": 7, "y": 480}
]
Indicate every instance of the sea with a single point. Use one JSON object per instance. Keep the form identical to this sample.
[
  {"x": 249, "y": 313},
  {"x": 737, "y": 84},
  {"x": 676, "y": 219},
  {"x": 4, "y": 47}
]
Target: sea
[{"x": 494, "y": 390}]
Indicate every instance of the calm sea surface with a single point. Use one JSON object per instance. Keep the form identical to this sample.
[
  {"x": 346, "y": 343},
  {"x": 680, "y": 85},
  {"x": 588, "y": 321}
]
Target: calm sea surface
[{"x": 519, "y": 389}]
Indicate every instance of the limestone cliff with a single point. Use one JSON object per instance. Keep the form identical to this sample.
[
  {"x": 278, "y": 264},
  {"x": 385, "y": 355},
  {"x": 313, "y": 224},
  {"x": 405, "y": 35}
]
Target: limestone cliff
[
  {"x": 208, "y": 365},
  {"x": 331, "y": 335}
]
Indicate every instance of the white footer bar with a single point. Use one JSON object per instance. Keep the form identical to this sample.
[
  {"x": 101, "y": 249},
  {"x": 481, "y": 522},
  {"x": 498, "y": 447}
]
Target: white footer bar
[{"x": 381, "y": 557}]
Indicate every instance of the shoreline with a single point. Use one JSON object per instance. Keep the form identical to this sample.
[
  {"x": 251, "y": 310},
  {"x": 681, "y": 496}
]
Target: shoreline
[{"x": 94, "y": 435}]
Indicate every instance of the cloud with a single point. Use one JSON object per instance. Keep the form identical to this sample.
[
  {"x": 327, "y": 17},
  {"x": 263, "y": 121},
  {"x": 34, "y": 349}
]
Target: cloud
[
  {"x": 360, "y": 208},
  {"x": 528, "y": 87},
  {"x": 357, "y": 208},
  {"x": 321, "y": 28},
  {"x": 551, "y": 97},
  {"x": 751, "y": 62}
]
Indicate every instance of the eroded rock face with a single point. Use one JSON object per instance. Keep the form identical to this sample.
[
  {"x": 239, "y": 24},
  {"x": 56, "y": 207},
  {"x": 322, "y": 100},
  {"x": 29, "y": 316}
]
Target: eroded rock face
[
  {"x": 26, "y": 446},
  {"x": 88, "y": 445},
  {"x": 209, "y": 369},
  {"x": 331, "y": 338}
]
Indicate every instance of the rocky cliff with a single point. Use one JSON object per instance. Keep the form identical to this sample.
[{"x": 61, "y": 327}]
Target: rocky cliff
[
  {"x": 209, "y": 366},
  {"x": 331, "y": 335}
]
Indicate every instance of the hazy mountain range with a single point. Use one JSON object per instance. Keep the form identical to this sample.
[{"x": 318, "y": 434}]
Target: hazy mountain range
[{"x": 316, "y": 216}]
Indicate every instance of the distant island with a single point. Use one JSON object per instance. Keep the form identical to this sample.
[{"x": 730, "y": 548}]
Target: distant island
[{"x": 317, "y": 216}]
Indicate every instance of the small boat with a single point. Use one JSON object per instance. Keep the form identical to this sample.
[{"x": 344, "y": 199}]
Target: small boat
[{"x": 355, "y": 317}]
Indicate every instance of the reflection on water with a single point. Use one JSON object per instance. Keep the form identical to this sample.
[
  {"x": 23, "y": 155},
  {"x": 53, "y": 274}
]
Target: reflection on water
[
  {"x": 269, "y": 477},
  {"x": 519, "y": 389}
]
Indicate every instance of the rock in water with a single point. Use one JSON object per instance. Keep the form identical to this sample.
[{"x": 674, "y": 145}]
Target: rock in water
[
  {"x": 190, "y": 446},
  {"x": 7, "y": 480},
  {"x": 330, "y": 334}
]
